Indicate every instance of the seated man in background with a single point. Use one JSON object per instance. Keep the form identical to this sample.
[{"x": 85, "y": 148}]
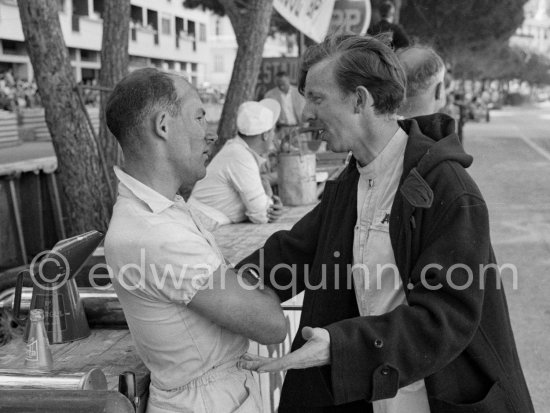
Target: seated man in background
[
  {"x": 425, "y": 73},
  {"x": 189, "y": 314},
  {"x": 233, "y": 185}
]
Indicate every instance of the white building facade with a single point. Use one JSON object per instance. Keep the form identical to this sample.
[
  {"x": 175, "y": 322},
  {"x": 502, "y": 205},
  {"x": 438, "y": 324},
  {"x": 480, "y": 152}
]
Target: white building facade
[
  {"x": 163, "y": 34},
  {"x": 223, "y": 50}
]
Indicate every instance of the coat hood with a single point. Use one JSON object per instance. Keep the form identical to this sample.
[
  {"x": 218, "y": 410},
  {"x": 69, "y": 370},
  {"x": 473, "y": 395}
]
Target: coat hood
[{"x": 432, "y": 140}]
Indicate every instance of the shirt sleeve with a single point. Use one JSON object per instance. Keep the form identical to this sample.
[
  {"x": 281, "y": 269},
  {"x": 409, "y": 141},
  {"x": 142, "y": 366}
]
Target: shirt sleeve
[
  {"x": 245, "y": 177},
  {"x": 177, "y": 262}
]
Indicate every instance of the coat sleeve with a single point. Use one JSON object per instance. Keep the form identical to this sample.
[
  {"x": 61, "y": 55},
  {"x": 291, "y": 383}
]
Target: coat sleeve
[
  {"x": 373, "y": 356},
  {"x": 284, "y": 260}
]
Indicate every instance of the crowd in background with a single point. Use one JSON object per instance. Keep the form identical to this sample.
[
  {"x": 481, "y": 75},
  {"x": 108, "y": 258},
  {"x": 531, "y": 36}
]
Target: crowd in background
[{"x": 17, "y": 94}]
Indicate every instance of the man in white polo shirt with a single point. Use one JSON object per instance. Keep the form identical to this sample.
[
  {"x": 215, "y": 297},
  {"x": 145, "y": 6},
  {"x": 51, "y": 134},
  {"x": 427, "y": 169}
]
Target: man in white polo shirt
[
  {"x": 190, "y": 316},
  {"x": 233, "y": 186}
]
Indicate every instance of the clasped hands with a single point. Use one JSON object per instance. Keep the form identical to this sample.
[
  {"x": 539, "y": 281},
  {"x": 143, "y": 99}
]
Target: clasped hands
[{"x": 314, "y": 353}]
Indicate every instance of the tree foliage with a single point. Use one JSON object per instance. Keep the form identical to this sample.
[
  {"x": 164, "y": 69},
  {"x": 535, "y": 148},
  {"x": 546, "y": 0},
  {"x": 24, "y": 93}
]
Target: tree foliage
[
  {"x": 503, "y": 63},
  {"x": 466, "y": 26}
]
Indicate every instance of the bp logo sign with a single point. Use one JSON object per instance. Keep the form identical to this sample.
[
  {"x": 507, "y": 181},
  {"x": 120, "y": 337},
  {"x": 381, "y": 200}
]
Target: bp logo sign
[{"x": 350, "y": 16}]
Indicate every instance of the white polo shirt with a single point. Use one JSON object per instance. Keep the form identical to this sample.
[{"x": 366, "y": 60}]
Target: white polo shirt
[
  {"x": 233, "y": 185},
  {"x": 378, "y": 286},
  {"x": 160, "y": 255}
]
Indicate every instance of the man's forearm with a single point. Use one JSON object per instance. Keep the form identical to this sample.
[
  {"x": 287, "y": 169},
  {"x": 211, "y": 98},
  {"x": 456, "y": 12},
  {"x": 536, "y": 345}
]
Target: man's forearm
[{"x": 253, "y": 279}]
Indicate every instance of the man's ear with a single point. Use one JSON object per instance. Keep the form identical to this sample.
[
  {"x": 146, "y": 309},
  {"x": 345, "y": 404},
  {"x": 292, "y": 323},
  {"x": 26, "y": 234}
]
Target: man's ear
[
  {"x": 363, "y": 99},
  {"x": 438, "y": 88},
  {"x": 161, "y": 124}
]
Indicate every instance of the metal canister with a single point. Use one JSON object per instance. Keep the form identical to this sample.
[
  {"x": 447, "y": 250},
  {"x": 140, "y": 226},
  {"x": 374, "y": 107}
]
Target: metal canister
[{"x": 101, "y": 306}]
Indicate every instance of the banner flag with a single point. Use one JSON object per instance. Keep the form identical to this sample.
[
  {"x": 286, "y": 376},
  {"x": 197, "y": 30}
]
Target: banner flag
[{"x": 311, "y": 17}]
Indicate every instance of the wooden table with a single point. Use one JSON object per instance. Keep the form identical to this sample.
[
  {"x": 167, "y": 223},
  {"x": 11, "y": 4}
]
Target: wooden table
[{"x": 237, "y": 241}]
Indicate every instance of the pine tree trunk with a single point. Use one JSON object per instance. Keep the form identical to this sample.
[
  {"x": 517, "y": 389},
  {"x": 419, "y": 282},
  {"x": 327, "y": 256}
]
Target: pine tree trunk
[
  {"x": 251, "y": 30},
  {"x": 114, "y": 66},
  {"x": 85, "y": 197}
]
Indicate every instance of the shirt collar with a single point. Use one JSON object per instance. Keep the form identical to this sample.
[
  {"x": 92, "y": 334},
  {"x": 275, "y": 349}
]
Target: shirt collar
[
  {"x": 155, "y": 201},
  {"x": 237, "y": 139},
  {"x": 392, "y": 149}
]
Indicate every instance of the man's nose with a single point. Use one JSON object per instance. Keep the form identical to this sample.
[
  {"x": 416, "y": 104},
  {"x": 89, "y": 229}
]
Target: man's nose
[{"x": 308, "y": 113}]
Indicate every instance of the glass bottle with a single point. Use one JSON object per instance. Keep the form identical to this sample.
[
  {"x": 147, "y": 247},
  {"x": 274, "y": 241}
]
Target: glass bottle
[{"x": 38, "y": 354}]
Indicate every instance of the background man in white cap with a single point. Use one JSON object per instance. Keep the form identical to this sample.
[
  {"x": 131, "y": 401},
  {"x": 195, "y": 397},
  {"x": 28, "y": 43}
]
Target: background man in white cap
[{"x": 233, "y": 186}]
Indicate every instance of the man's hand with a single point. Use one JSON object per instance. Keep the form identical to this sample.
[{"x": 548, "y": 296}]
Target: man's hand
[
  {"x": 315, "y": 352},
  {"x": 275, "y": 211}
]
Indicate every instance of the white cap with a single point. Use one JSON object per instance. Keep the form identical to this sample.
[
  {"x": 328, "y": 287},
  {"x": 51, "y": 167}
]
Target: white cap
[{"x": 254, "y": 118}]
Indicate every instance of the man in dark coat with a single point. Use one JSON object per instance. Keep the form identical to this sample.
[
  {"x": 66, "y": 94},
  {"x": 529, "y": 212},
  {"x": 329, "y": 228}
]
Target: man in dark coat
[
  {"x": 387, "y": 25},
  {"x": 403, "y": 308}
]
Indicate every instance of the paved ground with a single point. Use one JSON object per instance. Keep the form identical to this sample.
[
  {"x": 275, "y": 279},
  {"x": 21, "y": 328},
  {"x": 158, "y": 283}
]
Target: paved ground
[{"x": 512, "y": 168}]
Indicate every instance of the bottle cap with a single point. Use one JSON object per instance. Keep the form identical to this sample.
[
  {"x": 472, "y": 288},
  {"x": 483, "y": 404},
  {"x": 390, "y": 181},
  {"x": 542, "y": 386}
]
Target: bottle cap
[{"x": 37, "y": 315}]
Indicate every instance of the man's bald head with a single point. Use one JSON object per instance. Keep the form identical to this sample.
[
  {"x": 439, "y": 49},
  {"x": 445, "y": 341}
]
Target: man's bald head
[
  {"x": 422, "y": 65},
  {"x": 425, "y": 71},
  {"x": 136, "y": 98}
]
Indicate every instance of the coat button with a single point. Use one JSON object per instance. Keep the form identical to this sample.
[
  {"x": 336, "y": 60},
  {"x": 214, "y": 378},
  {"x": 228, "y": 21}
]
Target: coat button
[
  {"x": 385, "y": 371},
  {"x": 378, "y": 343}
]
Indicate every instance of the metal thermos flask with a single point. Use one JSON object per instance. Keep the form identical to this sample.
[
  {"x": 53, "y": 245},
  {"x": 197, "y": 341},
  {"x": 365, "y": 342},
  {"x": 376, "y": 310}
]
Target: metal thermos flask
[{"x": 38, "y": 354}]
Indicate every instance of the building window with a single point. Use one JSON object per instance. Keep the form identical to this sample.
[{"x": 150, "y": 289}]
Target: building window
[
  {"x": 156, "y": 63},
  {"x": 136, "y": 15},
  {"x": 191, "y": 28},
  {"x": 218, "y": 63},
  {"x": 218, "y": 27},
  {"x": 138, "y": 61},
  {"x": 13, "y": 47},
  {"x": 165, "y": 26},
  {"x": 193, "y": 67},
  {"x": 80, "y": 7},
  {"x": 202, "y": 32},
  {"x": 89, "y": 55},
  {"x": 99, "y": 7}
]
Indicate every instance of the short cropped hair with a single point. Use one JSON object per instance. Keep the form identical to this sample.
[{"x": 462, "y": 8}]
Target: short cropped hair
[
  {"x": 135, "y": 97},
  {"x": 281, "y": 73},
  {"x": 420, "y": 68},
  {"x": 361, "y": 61}
]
